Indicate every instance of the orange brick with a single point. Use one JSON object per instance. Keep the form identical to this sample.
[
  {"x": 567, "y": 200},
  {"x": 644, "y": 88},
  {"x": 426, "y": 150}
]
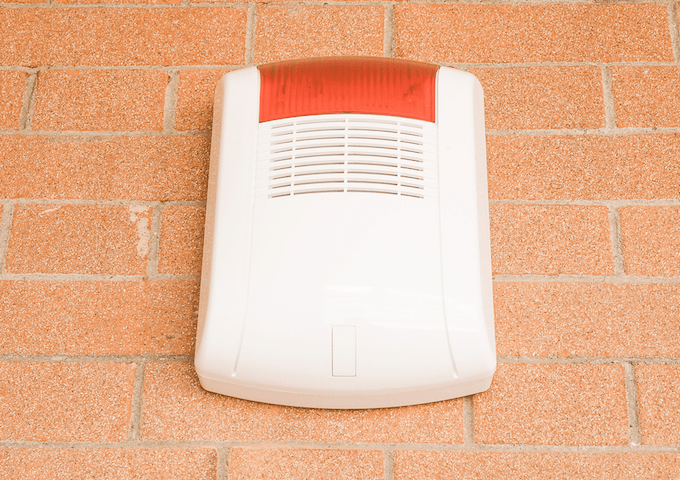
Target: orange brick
[
  {"x": 542, "y": 97},
  {"x": 651, "y": 240},
  {"x": 532, "y": 33},
  {"x": 65, "y": 401},
  {"x": 550, "y": 240},
  {"x": 176, "y": 408},
  {"x": 553, "y": 404},
  {"x": 110, "y": 463},
  {"x": 275, "y": 1},
  {"x": 646, "y": 96},
  {"x": 587, "y": 319},
  {"x": 195, "y": 98},
  {"x": 304, "y": 31},
  {"x": 122, "y": 2},
  {"x": 659, "y": 401},
  {"x": 121, "y": 167},
  {"x": 100, "y": 100},
  {"x": 588, "y": 167},
  {"x": 123, "y": 36},
  {"x": 181, "y": 245},
  {"x": 98, "y": 318},
  {"x": 417, "y": 465},
  {"x": 12, "y": 85},
  {"x": 90, "y": 239},
  {"x": 317, "y": 464}
]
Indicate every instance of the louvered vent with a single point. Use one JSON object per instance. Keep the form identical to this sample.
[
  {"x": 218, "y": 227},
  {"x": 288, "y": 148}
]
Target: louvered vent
[{"x": 347, "y": 153}]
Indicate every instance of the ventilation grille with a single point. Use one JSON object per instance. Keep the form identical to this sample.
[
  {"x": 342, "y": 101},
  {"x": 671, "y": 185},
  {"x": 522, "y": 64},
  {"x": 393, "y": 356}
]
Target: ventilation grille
[{"x": 346, "y": 153}]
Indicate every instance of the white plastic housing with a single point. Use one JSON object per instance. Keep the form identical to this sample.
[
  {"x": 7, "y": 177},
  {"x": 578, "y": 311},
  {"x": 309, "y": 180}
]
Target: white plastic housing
[{"x": 334, "y": 280}]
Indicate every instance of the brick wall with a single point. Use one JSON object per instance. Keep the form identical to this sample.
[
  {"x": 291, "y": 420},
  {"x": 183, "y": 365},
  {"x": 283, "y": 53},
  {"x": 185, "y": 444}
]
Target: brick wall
[{"x": 105, "y": 112}]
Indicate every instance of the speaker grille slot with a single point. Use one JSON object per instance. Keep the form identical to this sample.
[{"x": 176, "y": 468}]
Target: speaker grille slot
[{"x": 346, "y": 153}]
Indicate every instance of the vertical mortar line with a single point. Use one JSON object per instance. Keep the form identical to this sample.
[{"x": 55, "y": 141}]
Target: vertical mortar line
[
  {"x": 673, "y": 25},
  {"x": 5, "y": 227},
  {"x": 154, "y": 241},
  {"x": 170, "y": 102},
  {"x": 28, "y": 103},
  {"x": 609, "y": 110},
  {"x": 468, "y": 421},
  {"x": 388, "y": 48},
  {"x": 137, "y": 399},
  {"x": 615, "y": 237},
  {"x": 251, "y": 24},
  {"x": 634, "y": 436},
  {"x": 223, "y": 454},
  {"x": 389, "y": 465}
]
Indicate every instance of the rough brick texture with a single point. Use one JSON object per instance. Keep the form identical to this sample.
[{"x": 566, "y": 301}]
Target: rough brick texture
[
  {"x": 66, "y": 401},
  {"x": 587, "y": 319},
  {"x": 12, "y": 86},
  {"x": 415, "y": 465},
  {"x": 542, "y": 97},
  {"x": 122, "y": 2},
  {"x": 100, "y": 100},
  {"x": 106, "y": 109},
  {"x": 659, "y": 400},
  {"x": 181, "y": 246},
  {"x": 111, "y": 463},
  {"x": 98, "y": 317},
  {"x": 175, "y": 407},
  {"x": 126, "y": 36},
  {"x": 646, "y": 96},
  {"x": 304, "y": 31},
  {"x": 122, "y": 167},
  {"x": 88, "y": 239},
  {"x": 195, "y": 97},
  {"x": 533, "y": 33},
  {"x": 279, "y": 464},
  {"x": 651, "y": 240},
  {"x": 551, "y": 240},
  {"x": 584, "y": 167},
  {"x": 554, "y": 405}
]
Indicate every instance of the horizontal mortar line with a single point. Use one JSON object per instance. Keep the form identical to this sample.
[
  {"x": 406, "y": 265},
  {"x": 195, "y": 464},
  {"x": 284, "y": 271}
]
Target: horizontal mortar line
[
  {"x": 95, "y": 358},
  {"x": 18, "y": 68},
  {"x": 455, "y": 2},
  {"x": 589, "y": 360},
  {"x": 116, "y": 6},
  {"x": 485, "y": 447},
  {"x": 505, "y": 65},
  {"x": 78, "y": 277},
  {"x": 154, "y": 68},
  {"x": 586, "y": 131},
  {"x": 187, "y": 358},
  {"x": 478, "y": 447},
  {"x": 105, "y": 134},
  {"x": 465, "y": 65},
  {"x": 127, "y": 444},
  {"x": 93, "y": 134},
  {"x": 73, "y": 201},
  {"x": 333, "y": 2},
  {"x": 632, "y": 279},
  {"x": 310, "y": 3},
  {"x": 540, "y": 2},
  {"x": 148, "y": 444},
  {"x": 671, "y": 202}
]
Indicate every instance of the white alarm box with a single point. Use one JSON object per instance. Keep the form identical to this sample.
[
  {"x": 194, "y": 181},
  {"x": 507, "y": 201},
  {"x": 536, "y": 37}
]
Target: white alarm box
[{"x": 346, "y": 260}]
